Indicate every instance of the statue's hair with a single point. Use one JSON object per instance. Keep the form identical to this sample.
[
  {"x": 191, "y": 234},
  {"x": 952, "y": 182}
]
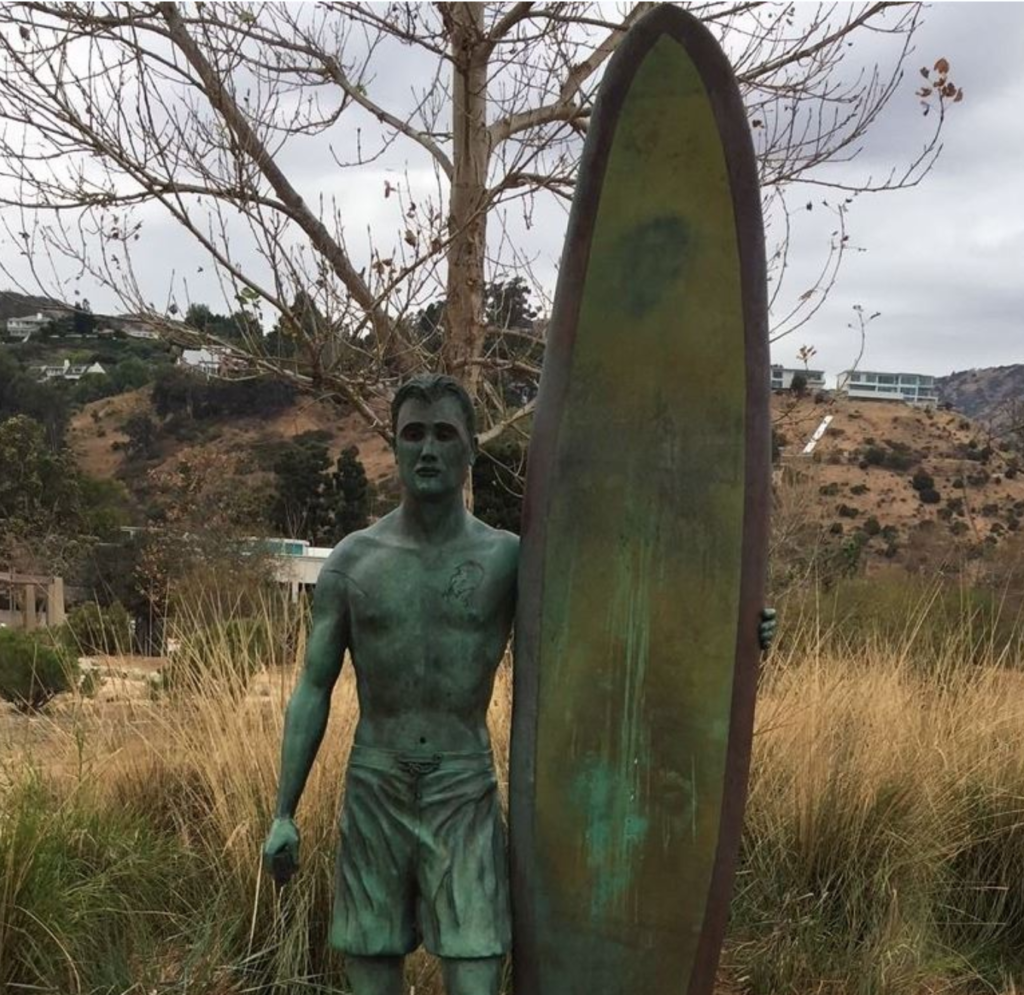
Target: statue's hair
[{"x": 430, "y": 387}]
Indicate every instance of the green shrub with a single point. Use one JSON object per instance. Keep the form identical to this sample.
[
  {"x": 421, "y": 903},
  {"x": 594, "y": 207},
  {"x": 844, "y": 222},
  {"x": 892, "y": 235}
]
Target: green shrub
[
  {"x": 32, "y": 669},
  {"x": 94, "y": 629},
  {"x": 899, "y": 460},
  {"x": 922, "y": 481}
]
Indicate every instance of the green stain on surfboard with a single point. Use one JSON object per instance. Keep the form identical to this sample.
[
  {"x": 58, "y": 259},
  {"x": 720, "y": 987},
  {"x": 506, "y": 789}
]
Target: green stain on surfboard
[{"x": 642, "y": 558}]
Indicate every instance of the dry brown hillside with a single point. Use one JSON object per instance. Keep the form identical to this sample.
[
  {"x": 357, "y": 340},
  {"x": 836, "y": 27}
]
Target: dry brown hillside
[
  {"x": 217, "y": 471},
  {"x": 97, "y": 427},
  {"x": 917, "y": 481}
]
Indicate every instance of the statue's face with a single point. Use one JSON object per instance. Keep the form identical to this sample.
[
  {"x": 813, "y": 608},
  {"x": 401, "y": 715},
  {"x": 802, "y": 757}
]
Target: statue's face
[{"x": 433, "y": 447}]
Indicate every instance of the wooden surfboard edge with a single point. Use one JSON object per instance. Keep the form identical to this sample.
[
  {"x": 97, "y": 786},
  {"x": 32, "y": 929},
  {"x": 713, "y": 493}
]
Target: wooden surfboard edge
[
  {"x": 730, "y": 116},
  {"x": 731, "y": 120}
]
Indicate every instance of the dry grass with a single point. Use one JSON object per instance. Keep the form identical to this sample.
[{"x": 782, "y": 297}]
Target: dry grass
[{"x": 884, "y": 851}]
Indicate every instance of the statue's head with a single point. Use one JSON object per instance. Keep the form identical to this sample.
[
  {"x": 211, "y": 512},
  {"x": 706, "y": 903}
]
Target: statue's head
[{"x": 434, "y": 428}]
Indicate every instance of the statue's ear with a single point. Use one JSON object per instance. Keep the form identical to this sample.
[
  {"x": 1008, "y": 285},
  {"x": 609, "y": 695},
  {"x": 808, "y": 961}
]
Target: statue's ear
[{"x": 474, "y": 450}]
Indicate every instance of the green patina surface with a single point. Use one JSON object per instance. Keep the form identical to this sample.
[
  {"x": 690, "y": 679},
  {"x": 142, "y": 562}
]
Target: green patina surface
[{"x": 642, "y": 566}]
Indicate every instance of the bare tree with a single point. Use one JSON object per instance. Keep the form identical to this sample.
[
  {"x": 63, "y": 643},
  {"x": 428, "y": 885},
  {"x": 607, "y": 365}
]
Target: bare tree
[{"x": 211, "y": 114}]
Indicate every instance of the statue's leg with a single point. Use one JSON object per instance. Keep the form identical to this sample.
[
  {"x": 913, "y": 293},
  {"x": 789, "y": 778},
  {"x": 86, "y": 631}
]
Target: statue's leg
[
  {"x": 476, "y": 976},
  {"x": 375, "y": 975}
]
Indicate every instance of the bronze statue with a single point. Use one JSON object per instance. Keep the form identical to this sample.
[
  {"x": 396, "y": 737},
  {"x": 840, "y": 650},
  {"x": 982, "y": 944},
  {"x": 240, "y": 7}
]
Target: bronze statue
[{"x": 423, "y": 600}]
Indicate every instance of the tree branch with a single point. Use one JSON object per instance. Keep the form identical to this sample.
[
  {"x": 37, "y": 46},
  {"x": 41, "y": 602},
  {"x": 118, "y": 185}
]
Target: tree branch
[
  {"x": 295, "y": 206},
  {"x": 565, "y": 108}
]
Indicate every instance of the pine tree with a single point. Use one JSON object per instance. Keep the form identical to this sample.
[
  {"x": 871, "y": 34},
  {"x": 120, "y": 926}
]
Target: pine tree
[{"x": 352, "y": 494}]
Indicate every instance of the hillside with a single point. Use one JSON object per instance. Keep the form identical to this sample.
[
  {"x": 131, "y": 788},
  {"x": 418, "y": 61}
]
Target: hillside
[
  {"x": 986, "y": 395},
  {"x": 910, "y": 485},
  {"x": 14, "y": 305},
  {"x": 915, "y": 485},
  {"x": 223, "y": 456}
]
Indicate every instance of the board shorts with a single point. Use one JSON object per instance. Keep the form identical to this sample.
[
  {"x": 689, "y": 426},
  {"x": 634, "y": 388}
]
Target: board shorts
[{"x": 422, "y": 857}]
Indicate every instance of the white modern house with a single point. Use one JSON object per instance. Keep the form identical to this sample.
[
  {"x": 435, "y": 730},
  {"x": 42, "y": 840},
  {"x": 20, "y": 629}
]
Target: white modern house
[
  {"x": 208, "y": 360},
  {"x": 782, "y": 378},
  {"x": 295, "y": 562},
  {"x": 874, "y": 385}
]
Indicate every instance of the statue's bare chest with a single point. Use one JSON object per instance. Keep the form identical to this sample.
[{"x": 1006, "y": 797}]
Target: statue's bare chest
[{"x": 409, "y": 595}]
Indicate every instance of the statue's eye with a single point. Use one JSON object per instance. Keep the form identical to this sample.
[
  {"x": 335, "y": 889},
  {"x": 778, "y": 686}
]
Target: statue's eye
[
  {"x": 445, "y": 433},
  {"x": 412, "y": 433}
]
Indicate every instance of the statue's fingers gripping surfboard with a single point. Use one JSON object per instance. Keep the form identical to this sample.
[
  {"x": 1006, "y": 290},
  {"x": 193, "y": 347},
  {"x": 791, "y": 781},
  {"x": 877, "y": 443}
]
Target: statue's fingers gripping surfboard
[{"x": 642, "y": 566}]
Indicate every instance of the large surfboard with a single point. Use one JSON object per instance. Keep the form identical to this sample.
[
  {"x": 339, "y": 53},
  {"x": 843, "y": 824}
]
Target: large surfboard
[{"x": 644, "y": 539}]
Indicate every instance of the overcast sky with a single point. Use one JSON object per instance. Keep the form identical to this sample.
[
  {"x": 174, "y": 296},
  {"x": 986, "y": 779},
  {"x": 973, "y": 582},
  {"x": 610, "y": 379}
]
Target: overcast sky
[{"x": 943, "y": 263}]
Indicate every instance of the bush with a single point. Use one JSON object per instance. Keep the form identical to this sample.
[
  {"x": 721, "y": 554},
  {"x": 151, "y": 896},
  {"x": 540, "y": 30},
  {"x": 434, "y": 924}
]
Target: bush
[
  {"x": 177, "y": 390},
  {"x": 899, "y": 460},
  {"x": 929, "y": 496},
  {"x": 93, "y": 629},
  {"x": 32, "y": 670},
  {"x": 872, "y": 526},
  {"x": 93, "y": 387},
  {"x": 131, "y": 373},
  {"x": 847, "y": 511},
  {"x": 922, "y": 481}
]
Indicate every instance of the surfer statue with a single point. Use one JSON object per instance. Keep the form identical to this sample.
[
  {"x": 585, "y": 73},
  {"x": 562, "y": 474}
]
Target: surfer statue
[{"x": 423, "y": 600}]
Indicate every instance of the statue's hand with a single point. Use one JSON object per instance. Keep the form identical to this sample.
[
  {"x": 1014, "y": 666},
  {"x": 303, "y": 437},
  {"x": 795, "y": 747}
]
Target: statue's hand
[
  {"x": 281, "y": 851},
  {"x": 766, "y": 628}
]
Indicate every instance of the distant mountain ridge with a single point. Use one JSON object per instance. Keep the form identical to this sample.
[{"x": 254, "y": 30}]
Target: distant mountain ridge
[{"x": 986, "y": 395}]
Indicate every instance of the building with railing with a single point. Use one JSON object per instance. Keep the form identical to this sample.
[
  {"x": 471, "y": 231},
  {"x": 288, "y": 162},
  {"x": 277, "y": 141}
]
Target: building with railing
[
  {"x": 782, "y": 378},
  {"x": 873, "y": 385}
]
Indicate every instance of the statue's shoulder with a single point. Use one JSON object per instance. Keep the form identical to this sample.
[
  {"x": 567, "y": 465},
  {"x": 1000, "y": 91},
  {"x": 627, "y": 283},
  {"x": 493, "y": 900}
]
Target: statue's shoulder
[
  {"x": 500, "y": 544},
  {"x": 353, "y": 551}
]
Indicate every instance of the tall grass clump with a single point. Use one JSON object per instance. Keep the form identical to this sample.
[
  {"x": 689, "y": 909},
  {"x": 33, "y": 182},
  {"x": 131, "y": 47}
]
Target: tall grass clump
[
  {"x": 884, "y": 842},
  {"x": 883, "y": 852},
  {"x": 92, "y": 896}
]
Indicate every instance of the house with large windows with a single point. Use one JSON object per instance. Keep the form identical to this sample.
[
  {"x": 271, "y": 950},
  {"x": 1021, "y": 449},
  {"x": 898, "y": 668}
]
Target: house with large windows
[
  {"x": 874, "y": 385},
  {"x": 782, "y": 378}
]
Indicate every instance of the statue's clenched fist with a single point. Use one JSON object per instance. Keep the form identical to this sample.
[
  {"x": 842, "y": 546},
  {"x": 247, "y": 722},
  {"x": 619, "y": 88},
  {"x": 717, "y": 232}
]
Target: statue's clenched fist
[{"x": 281, "y": 850}]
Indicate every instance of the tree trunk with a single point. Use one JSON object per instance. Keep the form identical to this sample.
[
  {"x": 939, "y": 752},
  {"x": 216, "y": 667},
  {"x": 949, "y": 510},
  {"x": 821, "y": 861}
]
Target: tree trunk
[{"x": 467, "y": 221}]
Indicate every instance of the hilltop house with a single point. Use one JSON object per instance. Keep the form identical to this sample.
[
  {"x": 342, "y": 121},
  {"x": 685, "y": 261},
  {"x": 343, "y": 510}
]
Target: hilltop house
[
  {"x": 212, "y": 360},
  {"x": 25, "y": 326},
  {"x": 782, "y": 378},
  {"x": 872, "y": 385},
  {"x": 135, "y": 326},
  {"x": 68, "y": 371}
]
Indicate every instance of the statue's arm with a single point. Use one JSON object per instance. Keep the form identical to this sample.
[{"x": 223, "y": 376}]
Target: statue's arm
[{"x": 310, "y": 703}]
